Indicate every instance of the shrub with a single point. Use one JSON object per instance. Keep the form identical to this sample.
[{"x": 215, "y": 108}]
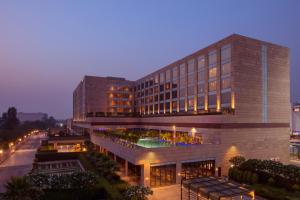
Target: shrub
[
  {"x": 296, "y": 187},
  {"x": 137, "y": 193},
  {"x": 237, "y": 160},
  {"x": 271, "y": 181},
  {"x": 254, "y": 178}
]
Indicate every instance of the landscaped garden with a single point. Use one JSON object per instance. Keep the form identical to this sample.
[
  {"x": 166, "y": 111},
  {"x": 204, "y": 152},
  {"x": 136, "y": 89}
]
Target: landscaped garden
[
  {"x": 269, "y": 179},
  {"x": 150, "y": 138},
  {"x": 99, "y": 180}
]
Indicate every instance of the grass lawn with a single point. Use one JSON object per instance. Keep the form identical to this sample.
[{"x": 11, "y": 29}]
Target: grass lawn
[{"x": 274, "y": 193}]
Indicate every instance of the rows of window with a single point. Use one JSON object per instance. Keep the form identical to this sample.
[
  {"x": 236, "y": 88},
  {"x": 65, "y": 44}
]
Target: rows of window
[{"x": 201, "y": 83}]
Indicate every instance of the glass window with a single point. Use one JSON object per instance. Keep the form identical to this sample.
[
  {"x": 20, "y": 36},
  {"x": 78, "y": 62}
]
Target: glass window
[
  {"x": 182, "y": 104},
  {"x": 174, "y": 94},
  {"x": 168, "y": 75},
  {"x": 182, "y": 82},
  {"x": 201, "y": 75},
  {"x": 167, "y": 106},
  {"x": 191, "y": 66},
  {"x": 182, "y": 92},
  {"x": 212, "y": 86},
  {"x": 201, "y": 88},
  {"x": 200, "y": 101},
  {"x": 168, "y": 95},
  {"x": 191, "y": 79},
  {"x": 226, "y": 98},
  {"x": 212, "y": 72},
  {"x": 174, "y": 105},
  {"x": 212, "y": 58},
  {"x": 191, "y": 104},
  {"x": 191, "y": 90},
  {"x": 161, "y": 107},
  {"x": 225, "y": 53},
  {"x": 201, "y": 63},
  {"x": 174, "y": 73},
  {"x": 156, "y": 79},
  {"x": 226, "y": 68},
  {"x": 167, "y": 85},
  {"x": 161, "y": 97},
  {"x": 212, "y": 100},
  {"x": 162, "y": 77},
  {"x": 161, "y": 88},
  {"x": 182, "y": 70},
  {"x": 226, "y": 83}
]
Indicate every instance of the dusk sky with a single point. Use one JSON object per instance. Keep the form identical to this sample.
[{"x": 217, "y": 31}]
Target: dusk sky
[{"x": 46, "y": 47}]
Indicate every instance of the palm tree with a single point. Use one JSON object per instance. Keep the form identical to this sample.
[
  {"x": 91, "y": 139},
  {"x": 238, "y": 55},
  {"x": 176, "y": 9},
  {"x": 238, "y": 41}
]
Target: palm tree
[{"x": 20, "y": 188}]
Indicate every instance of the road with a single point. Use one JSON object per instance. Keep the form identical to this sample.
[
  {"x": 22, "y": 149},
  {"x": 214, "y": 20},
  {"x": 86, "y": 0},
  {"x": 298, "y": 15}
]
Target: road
[{"x": 20, "y": 162}]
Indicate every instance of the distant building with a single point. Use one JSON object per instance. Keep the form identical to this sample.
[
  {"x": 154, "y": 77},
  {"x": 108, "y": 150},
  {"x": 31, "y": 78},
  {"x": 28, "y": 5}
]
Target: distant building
[{"x": 23, "y": 117}]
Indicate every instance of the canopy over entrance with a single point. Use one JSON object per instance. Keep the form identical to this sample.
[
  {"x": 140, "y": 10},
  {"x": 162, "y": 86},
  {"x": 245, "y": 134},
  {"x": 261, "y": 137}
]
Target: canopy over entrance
[{"x": 213, "y": 188}]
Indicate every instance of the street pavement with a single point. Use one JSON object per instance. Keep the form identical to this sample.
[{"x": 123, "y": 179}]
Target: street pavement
[{"x": 20, "y": 162}]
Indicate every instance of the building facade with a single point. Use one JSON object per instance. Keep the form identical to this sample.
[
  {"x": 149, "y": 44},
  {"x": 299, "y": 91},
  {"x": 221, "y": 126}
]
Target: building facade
[
  {"x": 23, "y": 117},
  {"x": 231, "y": 98}
]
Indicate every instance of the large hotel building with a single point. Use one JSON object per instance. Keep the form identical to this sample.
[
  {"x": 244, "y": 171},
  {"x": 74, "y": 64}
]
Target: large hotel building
[{"x": 191, "y": 116}]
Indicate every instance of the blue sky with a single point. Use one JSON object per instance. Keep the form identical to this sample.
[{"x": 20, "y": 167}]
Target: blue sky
[{"x": 46, "y": 47}]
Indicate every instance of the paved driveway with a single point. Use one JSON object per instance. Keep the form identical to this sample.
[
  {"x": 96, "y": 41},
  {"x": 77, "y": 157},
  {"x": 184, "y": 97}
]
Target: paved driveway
[
  {"x": 166, "y": 193},
  {"x": 20, "y": 162}
]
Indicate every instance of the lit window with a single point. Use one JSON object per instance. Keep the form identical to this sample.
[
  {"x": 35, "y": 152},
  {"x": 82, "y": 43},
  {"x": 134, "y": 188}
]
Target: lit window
[
  {"x": 212, "y": 86},
  {"x": 201, "y": 63},
  {"x": 191, "y": 104},
  {"x": 212, "y": 72},
  {"x": 226, "y": 83}
]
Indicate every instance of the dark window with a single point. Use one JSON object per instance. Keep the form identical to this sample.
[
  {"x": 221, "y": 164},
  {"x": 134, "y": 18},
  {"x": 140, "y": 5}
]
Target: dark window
[
  {"x": 226, "y": 98},
  {"x": 142, "y": 85},
  {"x": 161, "y": 107},
  {"x": 146, "y": 84},
  {"x": 151, "y": 82},
  {"x": 174, "y": 94},
  {"x": 212, "y": 100},
  {"x": 161, "y": 97},
  {"x": 156, "y": 98},
  {"x": 161, "y": 88},
  {"x": 168, "y": 95}
]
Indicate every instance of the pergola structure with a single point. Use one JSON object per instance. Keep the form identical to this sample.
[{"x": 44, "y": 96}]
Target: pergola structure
[{"x": 213, "y": 188}]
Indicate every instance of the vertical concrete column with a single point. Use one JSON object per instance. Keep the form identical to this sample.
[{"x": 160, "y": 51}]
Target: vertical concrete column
[
  {"x": 115, "y": 158},
  {"x": 145, "y": 175},
  {"x": 55, "y": 145},
  {"x": 126, "y": 168},
  {"x": 178, "y": 172}
]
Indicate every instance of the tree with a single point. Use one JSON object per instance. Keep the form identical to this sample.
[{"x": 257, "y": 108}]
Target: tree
[
  {"x": 10, "y": 119},
  {"x": 20, "y": 188},
  {"x": 137, "y": 193},
  {"x": 237, "y": 160}
]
